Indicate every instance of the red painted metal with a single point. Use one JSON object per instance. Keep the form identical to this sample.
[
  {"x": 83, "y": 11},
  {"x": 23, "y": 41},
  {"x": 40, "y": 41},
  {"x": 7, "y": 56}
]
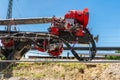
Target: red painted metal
[
  {"x": 81, "y": 17},
  {"x": 7, "y": 43},
  {"x": 56, "y": 52}
]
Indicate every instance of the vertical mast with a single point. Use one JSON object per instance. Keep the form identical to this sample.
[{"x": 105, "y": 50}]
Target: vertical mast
[{"x": 9, "y": 13}]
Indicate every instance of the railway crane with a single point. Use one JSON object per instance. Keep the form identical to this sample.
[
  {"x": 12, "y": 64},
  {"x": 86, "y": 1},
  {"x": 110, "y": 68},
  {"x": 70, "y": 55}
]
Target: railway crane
[{"x": 72, "y": 29}]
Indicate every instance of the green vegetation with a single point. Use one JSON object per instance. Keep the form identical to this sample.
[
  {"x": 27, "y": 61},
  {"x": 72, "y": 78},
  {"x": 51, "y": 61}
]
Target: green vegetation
[
  {"x": 117, "y": 51},
  {"x": 113, "y": 57},
  {"x": 2, "y": 57}
]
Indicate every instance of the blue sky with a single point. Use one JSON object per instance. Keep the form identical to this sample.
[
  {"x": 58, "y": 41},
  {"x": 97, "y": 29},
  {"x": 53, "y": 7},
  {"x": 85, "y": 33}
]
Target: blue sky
[{"x": 104, "y": 15}]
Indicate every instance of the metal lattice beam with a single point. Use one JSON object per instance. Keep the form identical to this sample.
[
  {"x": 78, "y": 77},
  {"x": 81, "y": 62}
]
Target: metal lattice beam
[
  {"x": 23, "y": 21},
  {"x": 9, "y": 13}
]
